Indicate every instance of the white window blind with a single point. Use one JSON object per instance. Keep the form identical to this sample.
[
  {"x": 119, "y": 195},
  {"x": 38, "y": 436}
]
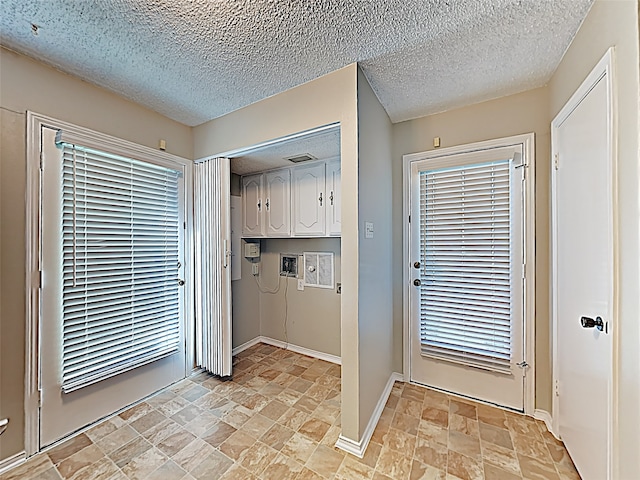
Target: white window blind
[
  {"x": 120, "y": 295},
  {"x": 465, "y": 239}
]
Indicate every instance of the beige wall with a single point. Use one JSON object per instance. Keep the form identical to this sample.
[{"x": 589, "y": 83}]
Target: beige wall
[
  {"x": 328, "y": 99},
  {"x": 522, "y": 113},
  {"x": 615, "y": 23},
  {"x": 313, "y": 315},
  {"x": 245, "y": 306},
  {"x": 375, "y": 310},
  {"x": 29, "y": 85}
]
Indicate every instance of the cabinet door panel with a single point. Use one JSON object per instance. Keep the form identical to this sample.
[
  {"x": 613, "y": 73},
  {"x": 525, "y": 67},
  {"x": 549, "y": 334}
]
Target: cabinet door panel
[
  {"x": 334, "y": 212},
  {"x": 309, "y": 200},
  {"x": 252, "y": 205},
  {"x": 278, "y": 203}
]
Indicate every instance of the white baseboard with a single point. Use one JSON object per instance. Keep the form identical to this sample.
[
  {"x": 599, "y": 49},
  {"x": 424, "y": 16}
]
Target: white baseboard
[
  {"x": 245, "y": 345},
  {"x": 288, "y": 346},
  {"x": 547, "y": 419},
  {"x": 359, "y": 448},
  {"x": 12, "y": 461}
]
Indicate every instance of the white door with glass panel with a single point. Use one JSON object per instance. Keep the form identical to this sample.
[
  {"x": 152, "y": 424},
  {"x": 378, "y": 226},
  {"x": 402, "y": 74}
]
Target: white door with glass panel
[
  {"x": 112, "y": 308},
  {"x": 467, "y": 289}
]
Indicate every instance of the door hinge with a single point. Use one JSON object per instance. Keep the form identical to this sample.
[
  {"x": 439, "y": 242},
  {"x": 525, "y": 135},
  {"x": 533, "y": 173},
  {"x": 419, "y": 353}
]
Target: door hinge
[
  {"x": 39, "y": 398},
  {"x": 524, "y": 271},
  {"x": 556, "y": 161},
  {"x": 41, "y": 159},
  {"x": 409, "y": 218},
  {"x": 523, "y": 364},
  {"x": 184, "y": 225},
  {"x": 39, "y": 278},
  {"x": 556, "y": 388}
]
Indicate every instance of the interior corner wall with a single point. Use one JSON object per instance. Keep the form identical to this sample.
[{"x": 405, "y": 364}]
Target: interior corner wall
[
  {"x": 615, "y": 24},
  {"x": 516, "y": 114},
  {"x": 328, "y": 99},
  {"x": 375, "y": 299},
  {"x": 30, "y": 85}
]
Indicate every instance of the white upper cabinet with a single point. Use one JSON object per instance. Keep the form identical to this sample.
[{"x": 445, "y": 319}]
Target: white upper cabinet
[
  {"x": 334, "y": 211},
  {"x": 309, "y": 200},
  {"x": 277, "y": 203},
  {"x": 252, "y": 208},
  {"x": 300, "y": 201}
]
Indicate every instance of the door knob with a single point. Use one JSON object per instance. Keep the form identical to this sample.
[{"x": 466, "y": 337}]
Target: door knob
[
  {"x": 417, "y": 282},
  {"x": 588, "y": 322},
  {"x": 416, "y": 264}
]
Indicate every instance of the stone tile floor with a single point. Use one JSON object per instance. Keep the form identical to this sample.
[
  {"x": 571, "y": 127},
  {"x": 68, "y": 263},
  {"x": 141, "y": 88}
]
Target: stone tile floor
[{"x": 279, "y": 418}]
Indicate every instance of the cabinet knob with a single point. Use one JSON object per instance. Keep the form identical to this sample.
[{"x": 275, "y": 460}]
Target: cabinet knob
[
  {"x": 267, "y": 204},
  {"x": 320, "y": 198},
  {"x": 331, "y": 198}
]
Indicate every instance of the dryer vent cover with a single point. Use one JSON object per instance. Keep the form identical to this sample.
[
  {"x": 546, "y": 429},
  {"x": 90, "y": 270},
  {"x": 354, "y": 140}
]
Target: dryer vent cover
[{"x": 318, "y": 269}]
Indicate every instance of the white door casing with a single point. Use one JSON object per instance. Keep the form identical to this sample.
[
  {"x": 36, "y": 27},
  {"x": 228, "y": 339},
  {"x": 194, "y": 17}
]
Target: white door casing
[
  {"x": 63, "y": 413},
  {"x": 515, "y": 390},
  {"x": 583, "y": 272}
]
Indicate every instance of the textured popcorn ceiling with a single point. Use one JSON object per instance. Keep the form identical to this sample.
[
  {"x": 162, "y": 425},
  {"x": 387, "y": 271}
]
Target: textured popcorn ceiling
[{"x": 194, "y": 60}]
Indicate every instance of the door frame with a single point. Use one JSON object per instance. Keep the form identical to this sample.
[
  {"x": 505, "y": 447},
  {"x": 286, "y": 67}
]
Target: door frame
[
  {"x": 604, "y": 70},
  {"x": 528, "y": 145},
  {"x": 35, "y": 122}
]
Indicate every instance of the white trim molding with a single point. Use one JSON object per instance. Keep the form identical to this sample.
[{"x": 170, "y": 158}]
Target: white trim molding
[
  {"x": 359, "y": 448},
  {"x": 545, "y": 416},
  {"x": 12, "y": 462},
  {"x": 245, "y": 346},
  {"x": 527, "y": 140},
  {"x": 288, "y": 346}
]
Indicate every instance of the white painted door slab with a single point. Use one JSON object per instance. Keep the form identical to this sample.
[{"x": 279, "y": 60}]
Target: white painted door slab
[
  {"x": 466, "y": 253},
  {"x": 86, "y": 341},
  {"x": 583, "y": 265}
]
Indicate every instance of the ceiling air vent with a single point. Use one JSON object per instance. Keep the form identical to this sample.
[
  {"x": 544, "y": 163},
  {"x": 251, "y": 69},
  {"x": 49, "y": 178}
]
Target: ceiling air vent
[{"x": 305, "y": 157}]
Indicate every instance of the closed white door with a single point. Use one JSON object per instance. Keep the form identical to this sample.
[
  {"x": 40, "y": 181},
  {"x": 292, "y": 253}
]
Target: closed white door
[
  {"x": 112, "y": 311},
  {"x": 583, "y": 266},
  {"x": 334, "y": 213},
  {"x": 467, "y": 280},
  {"x": 309, "y": 200},
  {"x": 252, "y": 207},
  {"x": 278, "y": 202}
]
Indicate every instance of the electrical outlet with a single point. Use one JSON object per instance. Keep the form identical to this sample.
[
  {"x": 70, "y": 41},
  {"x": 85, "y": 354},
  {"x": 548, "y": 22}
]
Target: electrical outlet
[
  {"x": 338, "y": 288},
  {"x": 301, "y": 284},
  {"x": 255, "y": 268}
]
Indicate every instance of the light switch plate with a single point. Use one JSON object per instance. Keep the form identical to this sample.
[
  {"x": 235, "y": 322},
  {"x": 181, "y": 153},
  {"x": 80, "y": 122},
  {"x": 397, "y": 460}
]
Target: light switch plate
[{"x": 368, "y": 229}]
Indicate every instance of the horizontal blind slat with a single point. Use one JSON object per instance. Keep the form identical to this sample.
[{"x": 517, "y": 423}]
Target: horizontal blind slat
[
  {"x": 120, "y": 227},
  {"x": 465, "y": 249}
]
